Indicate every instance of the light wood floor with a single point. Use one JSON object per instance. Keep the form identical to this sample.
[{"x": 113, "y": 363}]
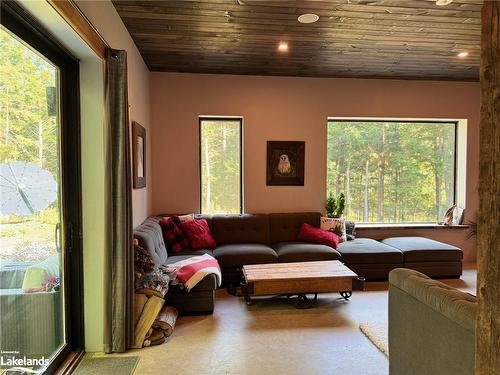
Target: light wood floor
[{"x": 272, "y": 337}]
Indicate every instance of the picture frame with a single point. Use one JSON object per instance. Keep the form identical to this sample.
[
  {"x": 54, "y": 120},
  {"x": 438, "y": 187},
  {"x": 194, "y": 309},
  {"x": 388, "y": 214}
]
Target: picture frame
[
  {"x": 454, "y": 215},
  {"x": 139, "y": 155},
  {"x": 458, "y": 215},
  {"x": 285, "y": 163}
]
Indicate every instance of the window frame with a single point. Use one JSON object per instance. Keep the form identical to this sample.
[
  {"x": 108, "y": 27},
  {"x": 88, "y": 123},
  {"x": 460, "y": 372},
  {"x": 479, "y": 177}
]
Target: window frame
[
  {"x": 200, "y": 125},
  {"x": 21, "y": 23},
  {"x": 460, "y": 134}
]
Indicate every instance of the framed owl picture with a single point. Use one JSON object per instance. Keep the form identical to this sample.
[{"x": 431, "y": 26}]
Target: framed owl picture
[{"x": 285, "y": 163}]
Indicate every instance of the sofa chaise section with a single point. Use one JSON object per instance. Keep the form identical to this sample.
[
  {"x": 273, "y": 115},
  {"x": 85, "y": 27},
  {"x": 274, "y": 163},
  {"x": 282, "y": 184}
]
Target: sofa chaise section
[{"x": 433, "y": 258}]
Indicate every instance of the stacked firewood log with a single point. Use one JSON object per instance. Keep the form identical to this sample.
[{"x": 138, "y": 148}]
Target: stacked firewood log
[{"x": 153, "y": 321}]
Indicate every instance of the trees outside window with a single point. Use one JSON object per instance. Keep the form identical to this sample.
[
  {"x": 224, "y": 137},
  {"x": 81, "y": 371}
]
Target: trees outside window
[
  {"x": 29, "y": 133},
  {"x": 220, "y": 165},
  {"x": 392, "y": 171}
]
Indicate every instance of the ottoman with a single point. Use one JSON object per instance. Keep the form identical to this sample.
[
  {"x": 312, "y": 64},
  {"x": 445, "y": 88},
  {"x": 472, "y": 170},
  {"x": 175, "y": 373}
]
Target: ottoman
[{"x": 433, "y": 258}]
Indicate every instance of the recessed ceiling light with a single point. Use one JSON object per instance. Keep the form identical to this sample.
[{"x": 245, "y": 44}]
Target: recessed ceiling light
[
  {"x": 463, "y": 54},
  {"x": 308, "y": 18},
  {"x": 443, "y": 3},
  {"x": 283, "y": 46}
]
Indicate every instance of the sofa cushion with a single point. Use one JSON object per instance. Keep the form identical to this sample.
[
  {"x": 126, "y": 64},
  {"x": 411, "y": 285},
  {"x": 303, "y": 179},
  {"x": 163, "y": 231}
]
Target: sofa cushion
[
  {"x": 150, "y": 237},
  {"x": 239, "y": 254},
  {"x": 366, "y": 250},
  {"x": 421, "y": 249},
  {"x": 244, "y": 228},
  {"x": 304, "y": 252},
  {"x": 284, "y": 227}
]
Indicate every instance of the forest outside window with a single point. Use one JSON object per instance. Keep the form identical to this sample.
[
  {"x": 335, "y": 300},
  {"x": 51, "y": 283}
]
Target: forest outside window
[
  {"x": 393, "y": 171},
  {"x": 221, "y": 165}
]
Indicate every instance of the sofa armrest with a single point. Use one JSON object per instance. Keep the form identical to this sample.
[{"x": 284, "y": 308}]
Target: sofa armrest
[
  {"x": 454, "y": 304},
  {"x": 431, "y": 326}
]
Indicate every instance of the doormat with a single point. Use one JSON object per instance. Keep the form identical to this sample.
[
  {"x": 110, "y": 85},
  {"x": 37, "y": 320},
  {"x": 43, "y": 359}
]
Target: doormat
[
  {"x": 119, "y": 365},
  {"x": 377, "y": 333}
]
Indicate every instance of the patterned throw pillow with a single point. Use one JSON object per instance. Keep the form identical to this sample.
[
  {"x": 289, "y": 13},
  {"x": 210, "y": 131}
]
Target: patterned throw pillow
[
  {"x": 335, "y": 225},
  {"x": 173, "y": 235}
]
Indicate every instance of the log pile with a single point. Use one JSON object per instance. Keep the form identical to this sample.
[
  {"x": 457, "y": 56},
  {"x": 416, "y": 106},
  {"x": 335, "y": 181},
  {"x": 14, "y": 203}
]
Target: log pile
[{"x": 153, "y": 321}]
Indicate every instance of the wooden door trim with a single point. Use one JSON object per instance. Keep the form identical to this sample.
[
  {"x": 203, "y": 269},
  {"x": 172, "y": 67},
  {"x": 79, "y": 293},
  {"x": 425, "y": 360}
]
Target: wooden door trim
[{"x": 68, "y": 10}]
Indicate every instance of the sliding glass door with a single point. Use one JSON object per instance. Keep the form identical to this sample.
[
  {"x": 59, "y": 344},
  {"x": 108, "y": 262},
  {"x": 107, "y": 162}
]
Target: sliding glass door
[{"x": 39, "y": 198}]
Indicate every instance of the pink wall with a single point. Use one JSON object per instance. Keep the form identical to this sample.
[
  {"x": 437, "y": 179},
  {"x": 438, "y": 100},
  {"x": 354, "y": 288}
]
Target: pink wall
[
  {"x": 288, "y": 108},
  {"x": 106, "y": 20}
]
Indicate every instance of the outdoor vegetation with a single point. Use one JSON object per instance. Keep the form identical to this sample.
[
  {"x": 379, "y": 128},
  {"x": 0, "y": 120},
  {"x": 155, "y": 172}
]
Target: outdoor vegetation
[
  {"x": 392, "y": 172},
  {"x": 28, "y": 133},
  {"x": 220, "y": 166}
]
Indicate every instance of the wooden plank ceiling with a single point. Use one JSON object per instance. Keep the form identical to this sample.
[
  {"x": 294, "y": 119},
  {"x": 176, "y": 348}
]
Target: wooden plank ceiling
[{"x": 414, "y": 39}]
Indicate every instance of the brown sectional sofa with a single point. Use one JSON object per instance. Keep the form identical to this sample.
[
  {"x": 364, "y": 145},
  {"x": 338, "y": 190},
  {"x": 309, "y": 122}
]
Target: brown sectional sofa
[{"x": 268, "y": 238}]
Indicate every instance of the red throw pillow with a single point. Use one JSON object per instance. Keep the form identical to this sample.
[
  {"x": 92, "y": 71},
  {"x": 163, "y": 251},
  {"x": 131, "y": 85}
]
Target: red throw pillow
[
  {"x": 199, "y": 234},
  {"x": 308, "y": 233},
  {"x": 173, "y": 235}
]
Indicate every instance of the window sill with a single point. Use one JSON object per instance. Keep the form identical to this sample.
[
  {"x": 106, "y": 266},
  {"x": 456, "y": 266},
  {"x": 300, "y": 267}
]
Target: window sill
[{"x": 411, "y": 226}]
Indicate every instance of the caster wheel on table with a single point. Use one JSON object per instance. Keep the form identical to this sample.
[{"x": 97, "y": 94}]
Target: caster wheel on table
[
  {"x": 248, "y": 300},
  {"x": 346, "y": 294},
  {"x": 304, "y": 302}
]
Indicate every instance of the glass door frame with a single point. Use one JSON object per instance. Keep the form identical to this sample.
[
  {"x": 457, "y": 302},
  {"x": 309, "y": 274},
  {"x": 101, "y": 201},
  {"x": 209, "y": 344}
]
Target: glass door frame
[{"x": 23, "y": 25}]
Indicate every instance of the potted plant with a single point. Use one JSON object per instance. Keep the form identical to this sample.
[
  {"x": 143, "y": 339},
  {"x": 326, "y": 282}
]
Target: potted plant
[{"x": 335, "y": 205}]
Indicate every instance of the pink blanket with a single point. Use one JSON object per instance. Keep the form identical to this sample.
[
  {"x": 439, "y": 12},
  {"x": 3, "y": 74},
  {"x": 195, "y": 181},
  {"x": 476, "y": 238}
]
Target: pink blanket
[{"x": 191, "y": 271}]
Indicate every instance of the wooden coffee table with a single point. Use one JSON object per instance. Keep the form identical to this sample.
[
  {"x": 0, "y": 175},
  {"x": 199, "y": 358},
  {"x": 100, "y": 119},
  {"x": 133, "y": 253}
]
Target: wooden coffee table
[{"x": 299, "y": 279}]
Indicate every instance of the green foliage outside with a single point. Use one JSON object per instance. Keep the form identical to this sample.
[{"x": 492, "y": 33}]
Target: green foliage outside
[
  {"x": 27, "y": 133},
  {"x": 392, "y": 172},
  {"x": 220, "y": 166}
]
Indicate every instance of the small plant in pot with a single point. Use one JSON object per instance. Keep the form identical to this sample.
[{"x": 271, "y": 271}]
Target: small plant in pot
[{"x": 335, "y": 205}]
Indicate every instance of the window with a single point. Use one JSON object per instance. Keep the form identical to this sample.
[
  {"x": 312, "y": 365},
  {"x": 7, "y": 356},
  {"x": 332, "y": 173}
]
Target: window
[
  {"x": 392, "y": 171},
  {"x": 40, "y": 208},
  {"x": 220, "y": 165}
]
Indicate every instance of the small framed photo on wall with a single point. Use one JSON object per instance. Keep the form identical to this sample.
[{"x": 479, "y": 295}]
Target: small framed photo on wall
[
  {"x": 139, "y": 155},
  {"x": 285, "y": 163}
]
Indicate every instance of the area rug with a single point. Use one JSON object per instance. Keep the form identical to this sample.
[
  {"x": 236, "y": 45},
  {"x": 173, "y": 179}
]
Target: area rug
[
  {"x": 122, "y": 365},
  {"x": 378, "y": 334}
]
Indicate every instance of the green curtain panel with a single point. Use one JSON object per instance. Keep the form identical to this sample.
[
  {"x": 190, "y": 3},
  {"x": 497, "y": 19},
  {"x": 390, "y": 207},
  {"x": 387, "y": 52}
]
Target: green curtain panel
[{"x": 118, "y": 323}]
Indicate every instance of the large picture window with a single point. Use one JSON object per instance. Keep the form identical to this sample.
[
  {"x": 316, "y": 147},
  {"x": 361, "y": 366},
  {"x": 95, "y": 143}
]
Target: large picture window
[
  {"x": 220, "y": 165},
  {"x": 392, "y": 171}
]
